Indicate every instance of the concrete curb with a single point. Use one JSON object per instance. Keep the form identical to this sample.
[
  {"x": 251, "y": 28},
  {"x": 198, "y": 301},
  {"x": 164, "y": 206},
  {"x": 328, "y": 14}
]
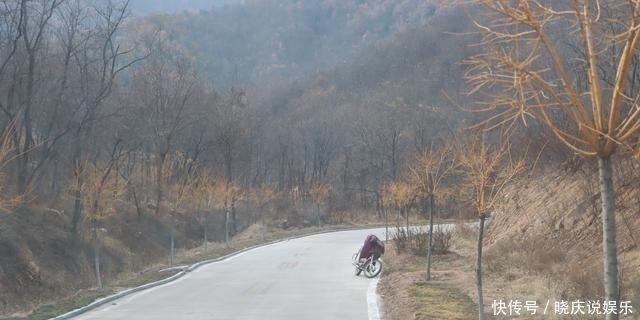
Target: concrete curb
[
  {"x": 108, "y": 299},
  {"x": 185, "y": 269},
  {"x": 372, "y": 299}
]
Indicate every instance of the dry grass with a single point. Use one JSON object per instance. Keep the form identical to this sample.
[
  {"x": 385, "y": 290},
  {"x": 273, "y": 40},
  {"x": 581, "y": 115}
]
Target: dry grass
[
  {"x": 514, "y": 270},
  {"x": 406, "y": 295},
  {"x": 440, "y": 301},
  {"x": 51, "y": 310},
  {"x": 543, "y": 244}
]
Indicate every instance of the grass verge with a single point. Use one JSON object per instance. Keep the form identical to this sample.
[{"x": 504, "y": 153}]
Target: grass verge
[
  {"x": 51, "y": 310},
  {"x": 440, "y": 301}
]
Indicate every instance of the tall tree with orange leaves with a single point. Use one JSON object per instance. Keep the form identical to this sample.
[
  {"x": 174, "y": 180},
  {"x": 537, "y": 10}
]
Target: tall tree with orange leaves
[
  {"x": 427, "y": 173},
  {"x": 586, "y": 97},
  {"x": 486, "y": 169}
]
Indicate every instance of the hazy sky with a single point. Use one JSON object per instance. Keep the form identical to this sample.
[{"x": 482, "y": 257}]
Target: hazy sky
[{"x": 142, "y": 7}]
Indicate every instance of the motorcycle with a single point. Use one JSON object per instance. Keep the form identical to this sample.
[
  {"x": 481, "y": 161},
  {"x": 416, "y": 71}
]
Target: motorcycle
[{"x": 372, "y": 266}]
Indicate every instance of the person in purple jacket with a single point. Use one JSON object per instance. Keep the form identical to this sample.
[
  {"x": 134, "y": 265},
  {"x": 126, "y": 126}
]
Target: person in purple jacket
[{"x": 372, "y": 246}]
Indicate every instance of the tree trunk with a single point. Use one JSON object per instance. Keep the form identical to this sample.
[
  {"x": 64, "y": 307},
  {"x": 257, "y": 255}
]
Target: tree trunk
[
  {"x": 386, "y": 225},
  {"x": 430, "y": 247},
  {"x": 605, "y": 169},
  {"x": 226, "y": 227},
  {"x": 77, "y": 209},
  {"x": 77, "y": 193},
  {"x": 136, "y": 202},
  {"x": 54, "y": 181},
  {"x": 394, "y": 154},
  {"x": 173, "y": 247},
  {"x": 406, "y": 215},
  {"x": 378, "y": 204},
  {"x": 479, "y": 268},
  {"x": 206, "y": 230},
  {"x": 159, "y": 181},
  {"x": 26, "y": 143},
  {"x": 234, "y": 225},
  {"x": 96, "y": 253}
]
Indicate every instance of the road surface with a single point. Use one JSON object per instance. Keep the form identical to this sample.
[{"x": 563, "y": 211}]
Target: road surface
[{"x": 305, "y": 278}]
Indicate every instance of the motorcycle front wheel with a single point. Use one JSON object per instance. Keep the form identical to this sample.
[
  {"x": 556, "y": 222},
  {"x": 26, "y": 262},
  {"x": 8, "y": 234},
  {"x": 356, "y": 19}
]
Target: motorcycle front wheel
[{"x": 372, "y": 268}]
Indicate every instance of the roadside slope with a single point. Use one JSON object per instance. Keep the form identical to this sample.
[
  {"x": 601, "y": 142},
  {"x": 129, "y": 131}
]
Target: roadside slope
[{"x": 543, "y": 244}]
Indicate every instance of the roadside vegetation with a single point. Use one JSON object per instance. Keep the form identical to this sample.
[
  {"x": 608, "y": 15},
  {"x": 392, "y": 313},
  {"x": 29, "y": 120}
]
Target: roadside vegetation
[
  {"x": 405, "y": 290},
  {"x": 526, "y": 257}
]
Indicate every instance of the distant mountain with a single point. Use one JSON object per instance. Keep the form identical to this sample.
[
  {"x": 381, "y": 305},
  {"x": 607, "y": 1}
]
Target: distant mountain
[
  {"x": 261, "y": 40},
  {"x": 144, "y": 7}
]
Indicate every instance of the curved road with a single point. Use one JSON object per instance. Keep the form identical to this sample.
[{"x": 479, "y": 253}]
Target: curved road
[{"x": 305, "y": 278}]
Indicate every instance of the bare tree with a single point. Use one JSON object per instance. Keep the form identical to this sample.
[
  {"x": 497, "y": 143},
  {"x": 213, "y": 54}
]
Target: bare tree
[
  {"x": 319, "y": 193},
  {"x": 399, "y": 193},
  {"x": 24, "y": 41},
  {"x": 524, "y": 74},
  {"x": 13, "y": 21},
  {"x": 378, "y": 138},
  {"x": 231, "y": 121},
  {"x": 204, "y": 198},
  {"x": 428, "y": 172},
  {"x": 99, "y": 60},
  {"x": 231, "y": 193},
  {"x": 128, "y": 173},
  {"x": 226, "y": 195},
  {"x": 99, "y": 182},
  {"x": 262, "y": 197},
  {"x": 164, "y": 94},
  {"x": 486, "y": 169},
  {"x": 229, "y": 118},
  {"x": 8, "y": 199},
  {"x": 35, "y": 22},
  {"x": 181, "y": 184}
]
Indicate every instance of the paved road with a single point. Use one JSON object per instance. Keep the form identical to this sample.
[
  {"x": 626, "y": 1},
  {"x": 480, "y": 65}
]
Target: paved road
[{"x": 306, "y": 278}]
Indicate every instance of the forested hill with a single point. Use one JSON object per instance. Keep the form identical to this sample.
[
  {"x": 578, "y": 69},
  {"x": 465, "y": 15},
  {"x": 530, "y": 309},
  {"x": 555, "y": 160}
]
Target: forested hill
[
  {"x": 307, "y": 59},
  {"x": 324, "y": 75},
  {"x": 248, "y": 44}
]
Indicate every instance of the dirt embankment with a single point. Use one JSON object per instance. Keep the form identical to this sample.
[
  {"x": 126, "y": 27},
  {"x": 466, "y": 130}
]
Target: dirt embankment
[
  {"x": 543, "y": 244},
  {"x": 41, "y": 260},
  {"x": 550, "y": 226}
]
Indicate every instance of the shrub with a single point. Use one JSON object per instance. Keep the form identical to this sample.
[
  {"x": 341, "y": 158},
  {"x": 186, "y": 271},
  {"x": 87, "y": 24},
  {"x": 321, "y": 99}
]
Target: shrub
[
  {"x": 401, "y": 239},
  {"x": 417, "y": 241},
  {"x": 442, "y": 240}
]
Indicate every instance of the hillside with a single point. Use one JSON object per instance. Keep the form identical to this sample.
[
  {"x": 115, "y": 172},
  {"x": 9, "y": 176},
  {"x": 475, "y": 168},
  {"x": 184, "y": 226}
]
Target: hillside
[
  {"x": 263, "y": 40},
  {"x": 43, "y": 262},
  {"x": 550, "y": 224},
  {"x": 543, "y": 244}
]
